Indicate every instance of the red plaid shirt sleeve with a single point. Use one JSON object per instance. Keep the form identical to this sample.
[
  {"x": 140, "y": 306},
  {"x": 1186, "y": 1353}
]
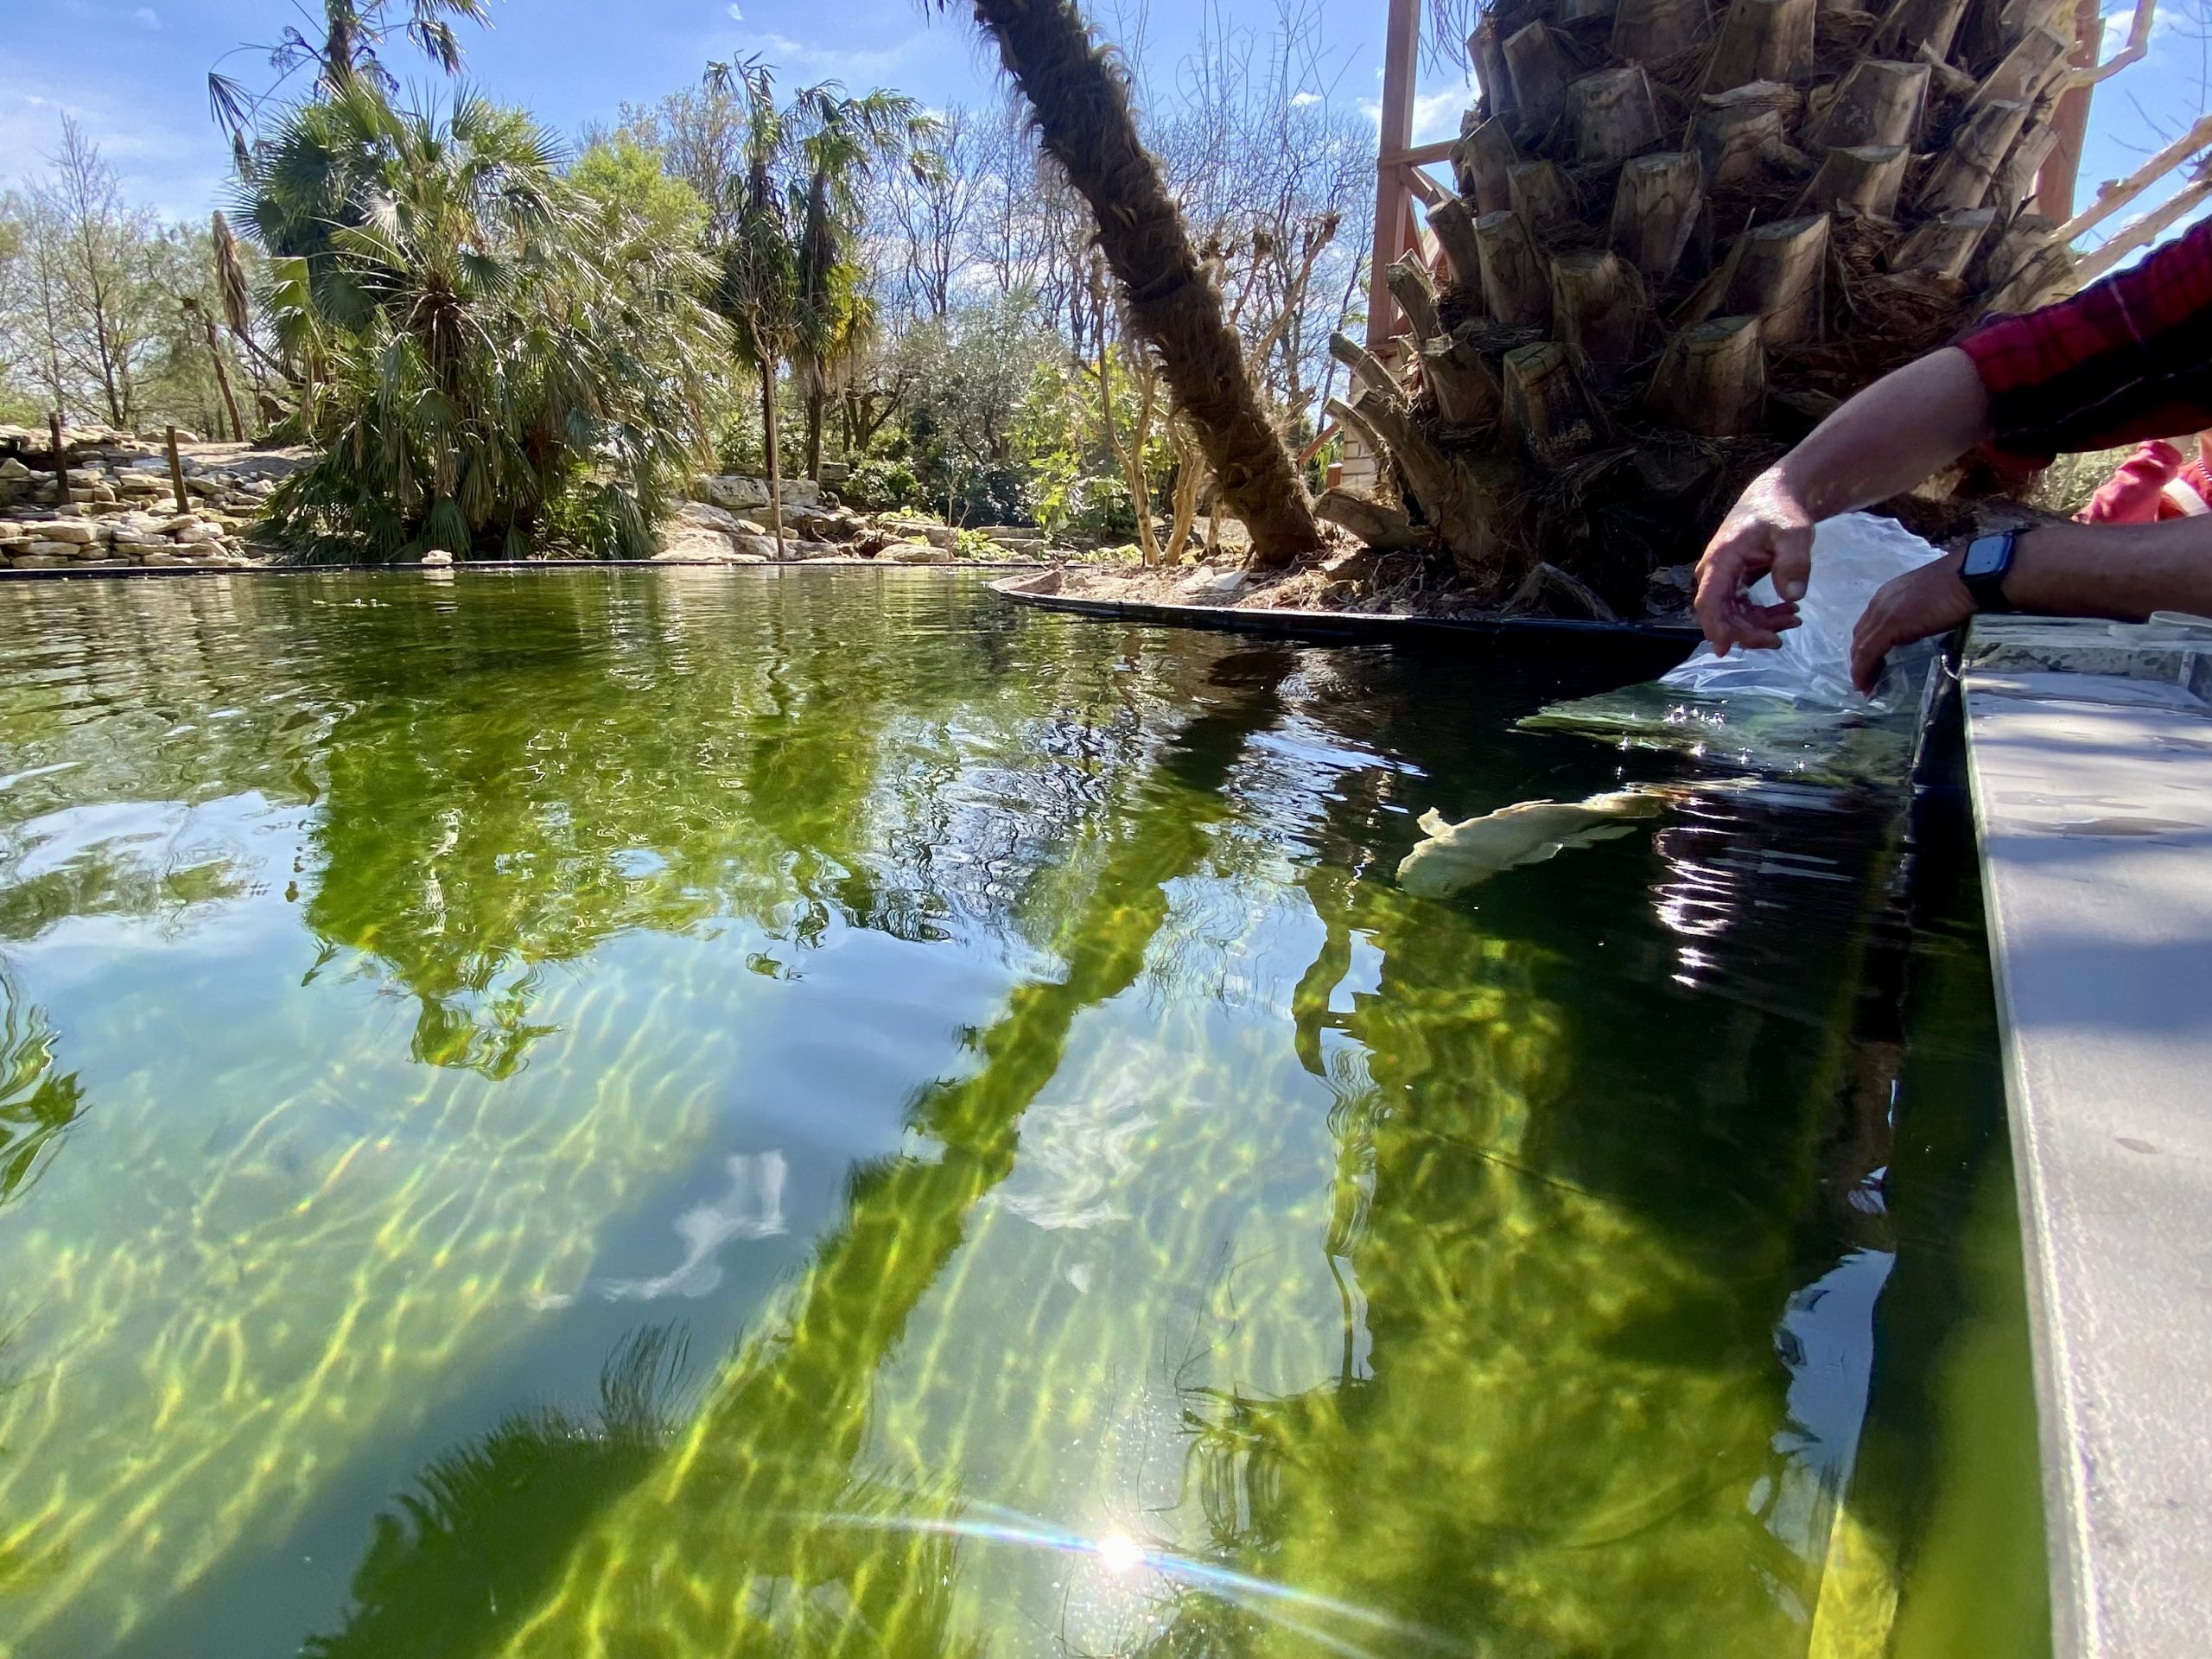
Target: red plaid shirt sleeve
[{"x": 2127, "y": 359}]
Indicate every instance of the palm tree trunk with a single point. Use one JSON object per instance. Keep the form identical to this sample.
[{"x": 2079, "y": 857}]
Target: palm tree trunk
[
  {"x": 1084, "y": 118},
  {"x": 814, "y": 380},
  {"x": 222, "y": 375},
  {"x": 343, "y": 26},
  {"x": 1707, "y": 226},
  {"x": 768, "y": 443}
]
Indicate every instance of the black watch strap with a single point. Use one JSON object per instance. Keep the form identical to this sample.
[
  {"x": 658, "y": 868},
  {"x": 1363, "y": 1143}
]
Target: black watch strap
[{"x": 1988, "y": 562}]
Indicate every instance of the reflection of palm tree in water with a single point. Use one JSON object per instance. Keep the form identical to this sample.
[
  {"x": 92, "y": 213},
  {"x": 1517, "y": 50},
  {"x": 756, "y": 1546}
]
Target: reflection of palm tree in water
[
  {"x": 757, "y": 1523},
  {"x": 571, "y": 785},
  {"x": 38, "y": 1103},
  {"x": 1556, "y": 1386}
]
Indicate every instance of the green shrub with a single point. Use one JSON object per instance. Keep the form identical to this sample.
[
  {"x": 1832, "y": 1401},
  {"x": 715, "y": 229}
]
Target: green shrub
[
  {"x": 1099, "y": 506},
  {"x": 881, "y": 484}
]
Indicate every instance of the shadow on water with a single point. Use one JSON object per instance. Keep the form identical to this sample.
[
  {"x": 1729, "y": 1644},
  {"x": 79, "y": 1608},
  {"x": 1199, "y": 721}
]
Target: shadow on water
[{"x": 484, "y": 1529}]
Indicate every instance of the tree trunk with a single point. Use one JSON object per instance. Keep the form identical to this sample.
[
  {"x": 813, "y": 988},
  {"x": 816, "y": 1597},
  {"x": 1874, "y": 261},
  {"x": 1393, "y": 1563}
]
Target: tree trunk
[
  {"x": 1878, "y": 103},
  {"x": 1479, "y": 163},
  {"x": 1613, "y": 115},
  {"x": 769, "y": 446},
  {"x": 1739, "y": 137},
  {"x": 1963, "y": 177},
  {"x": 1466, "y": 390},
  {"x": 1597, "y": 300},
  {"x": 1539, "y": 72},
  {"x": 1945, "y": 244},
  {"x": 2025, "y": 71},
  {"x": 1863, "y": 178},
  {"x": 1655, "y": 212},
  {"x": 1547, "y": 410},
  {"x": 1625, "y": 218},
  {"x": 814, "y": 393},
  {"x": 1540, "y": 198},
  {"x": 1515, "y": 289},
  {"x": 1084, "y": 119},
  {"x": 1778, "y": 278},
  {"x": 1375, "y": 523},
  {"x": 1651, "y": 31},
  {"x": 1761, "y": 39},
  {"x": 1913, "y": 27},
  {"x": 222, "y": 375},
  {"x": 1415, "y": 293},
  {"x": 1713, "y": 379},
  {"x": 1454, "y": 227}
]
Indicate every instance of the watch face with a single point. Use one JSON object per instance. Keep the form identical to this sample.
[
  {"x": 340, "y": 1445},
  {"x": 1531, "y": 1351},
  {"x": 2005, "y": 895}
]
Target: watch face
[{"x": 1986, "y": 554}]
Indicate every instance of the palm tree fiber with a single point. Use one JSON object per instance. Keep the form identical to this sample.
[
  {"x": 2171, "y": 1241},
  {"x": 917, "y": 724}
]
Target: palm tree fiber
[{"x": 1083, "y": 116}]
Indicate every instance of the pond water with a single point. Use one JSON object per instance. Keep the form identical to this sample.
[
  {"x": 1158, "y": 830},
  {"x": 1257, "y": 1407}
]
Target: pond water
[{"x": 691, "y": 1113}]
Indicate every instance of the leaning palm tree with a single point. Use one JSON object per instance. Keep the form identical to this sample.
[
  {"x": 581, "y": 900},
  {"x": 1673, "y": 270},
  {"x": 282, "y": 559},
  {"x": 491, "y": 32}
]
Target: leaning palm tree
[
  {"x": 1083, "y": 117},
  {"x": 844, "y": 140}
]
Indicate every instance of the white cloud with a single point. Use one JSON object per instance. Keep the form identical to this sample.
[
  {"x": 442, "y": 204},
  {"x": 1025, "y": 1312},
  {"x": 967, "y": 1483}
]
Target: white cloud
[
  {"x": 1436, "y": 115},
  {"x": 736, "y": 13},
  {"x": 1300, "y": 100},
  {"x": 2119, "y": 23},
  {"x": 784, "y": 52},
  {"x": 146, "y": 17}
]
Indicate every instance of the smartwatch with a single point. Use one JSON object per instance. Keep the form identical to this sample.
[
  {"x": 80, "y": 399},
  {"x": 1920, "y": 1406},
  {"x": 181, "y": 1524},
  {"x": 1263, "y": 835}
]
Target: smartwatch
[{"x": 1988, "y": 562}]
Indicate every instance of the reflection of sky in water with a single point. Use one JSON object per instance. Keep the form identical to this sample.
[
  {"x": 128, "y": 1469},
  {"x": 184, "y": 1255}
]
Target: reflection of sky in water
[{"x": 1104, "y": 1210}]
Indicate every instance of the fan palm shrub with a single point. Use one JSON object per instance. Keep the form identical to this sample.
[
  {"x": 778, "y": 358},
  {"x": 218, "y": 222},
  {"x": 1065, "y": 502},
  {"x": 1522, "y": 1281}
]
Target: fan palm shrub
[{"x": 491, "y": 360}]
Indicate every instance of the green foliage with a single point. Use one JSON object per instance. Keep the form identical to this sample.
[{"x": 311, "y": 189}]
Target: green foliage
[
  {"x": 1100, "y": 506},
  {"x": 495, "y": 359},
  {"x": 625, "y": 180},
  {"x": 882, "y": 484}
]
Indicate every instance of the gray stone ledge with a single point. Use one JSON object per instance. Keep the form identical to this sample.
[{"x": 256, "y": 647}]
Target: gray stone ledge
[{"x": 2089, "y": 748}]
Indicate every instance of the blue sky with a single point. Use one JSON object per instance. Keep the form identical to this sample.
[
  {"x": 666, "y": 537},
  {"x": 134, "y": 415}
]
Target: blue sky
[{"x": 135, "y": 74}]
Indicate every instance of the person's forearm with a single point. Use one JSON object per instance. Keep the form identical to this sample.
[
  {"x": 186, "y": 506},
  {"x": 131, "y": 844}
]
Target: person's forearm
[
  {"x": 1906, "y": 427},
  {"x": 2121, "y": 571}
]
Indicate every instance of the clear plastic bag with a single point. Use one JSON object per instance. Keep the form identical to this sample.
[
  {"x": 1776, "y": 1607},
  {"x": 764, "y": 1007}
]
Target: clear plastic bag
[{"x": 1853, "y": 557}]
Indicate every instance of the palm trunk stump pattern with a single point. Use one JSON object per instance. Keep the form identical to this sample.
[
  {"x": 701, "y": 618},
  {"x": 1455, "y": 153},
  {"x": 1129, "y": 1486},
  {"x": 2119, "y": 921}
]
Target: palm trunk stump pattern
[{"x": 1684, "y": 232}]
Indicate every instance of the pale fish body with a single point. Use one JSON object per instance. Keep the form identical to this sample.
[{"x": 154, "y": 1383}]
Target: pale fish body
[{"x": 1456, "y": 856}]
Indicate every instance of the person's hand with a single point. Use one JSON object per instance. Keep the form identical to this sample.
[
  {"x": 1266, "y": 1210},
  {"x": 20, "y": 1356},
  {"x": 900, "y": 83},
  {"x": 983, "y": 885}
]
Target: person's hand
[
  {"x": 1768, "y": 532},
  {"x": 1929, "y": 600}
]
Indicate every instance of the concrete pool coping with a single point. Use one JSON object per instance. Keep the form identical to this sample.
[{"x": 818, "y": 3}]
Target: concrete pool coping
[{"x": 2089, "y": 755}]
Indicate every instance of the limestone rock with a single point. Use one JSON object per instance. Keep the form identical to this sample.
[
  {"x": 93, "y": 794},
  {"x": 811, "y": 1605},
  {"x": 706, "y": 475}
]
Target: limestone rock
[
  {"x": 917, "y": 553},
  {"x": 732, "y": 491},
  {"x": 437, "y": 559},
  {"x": 921, "y": 530},
  {"x": 1204, "y": 587}
]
